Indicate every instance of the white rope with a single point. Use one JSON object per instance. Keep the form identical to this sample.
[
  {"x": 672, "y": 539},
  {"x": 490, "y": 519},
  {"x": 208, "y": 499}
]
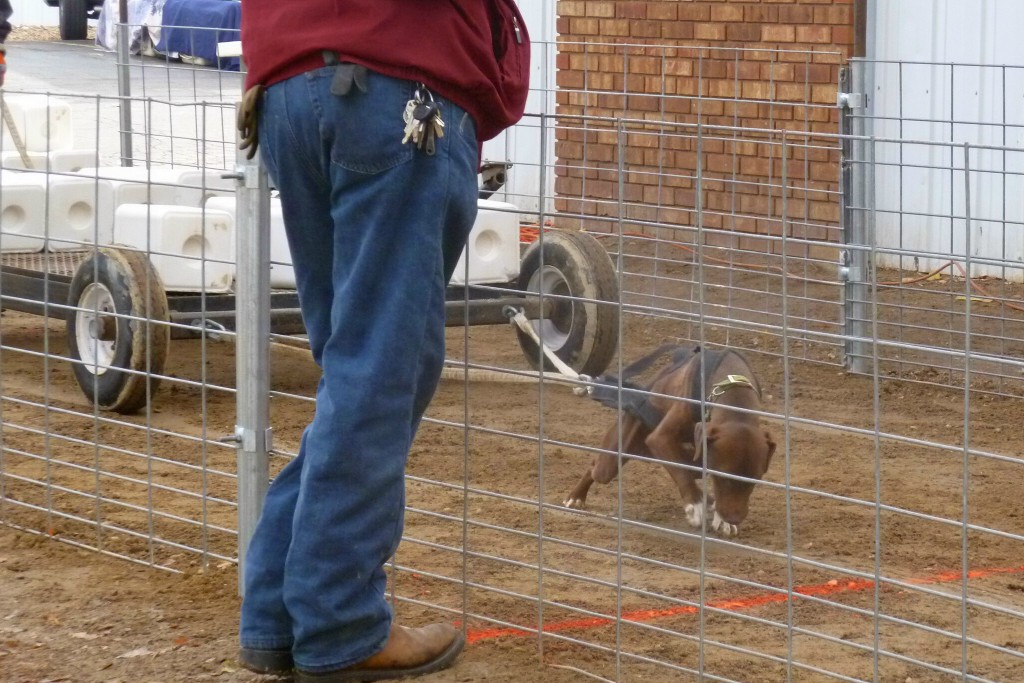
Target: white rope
[{"x": 520, "y": 319}]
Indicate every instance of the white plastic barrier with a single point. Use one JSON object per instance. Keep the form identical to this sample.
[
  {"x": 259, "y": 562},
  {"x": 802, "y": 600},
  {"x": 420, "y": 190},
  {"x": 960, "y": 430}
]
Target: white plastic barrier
[
  {"x": 282, "y": 275},
  {"x": 81, "y": 213},
  {"x": 207, "y": 183},
  {"x": 130, "y": 192},
  {"x": 78, "y": 213},
  {"x": 165, "y": 184},
  {"x": 191, "y": 249},
  {"x": 44, "y": 123},
  {"x": 60, "y": 161},
  {"x": 22, "y": 215},
  {"x": 493, "y": 246}
]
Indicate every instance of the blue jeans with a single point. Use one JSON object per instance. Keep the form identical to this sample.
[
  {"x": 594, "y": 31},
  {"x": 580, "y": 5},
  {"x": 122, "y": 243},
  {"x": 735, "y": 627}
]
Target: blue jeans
[{"x": 375, "y": 229}]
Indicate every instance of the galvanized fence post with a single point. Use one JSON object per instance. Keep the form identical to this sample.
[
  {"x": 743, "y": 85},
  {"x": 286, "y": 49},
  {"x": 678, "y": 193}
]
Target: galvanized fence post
[
  {"x": 252, "y": 320},
  {"x": 124, "y": 84},
  {"x": 855, "y": 257}
]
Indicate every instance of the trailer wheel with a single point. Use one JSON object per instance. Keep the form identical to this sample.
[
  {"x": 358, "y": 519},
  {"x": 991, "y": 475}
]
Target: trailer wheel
[
  {"x": 73, "y": 19},
  {"x": 117, "y": 328},
  {"x": 576, "y": 270}
]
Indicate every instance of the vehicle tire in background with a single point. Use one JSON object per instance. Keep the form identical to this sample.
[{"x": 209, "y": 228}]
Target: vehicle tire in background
[
  {"x": 74, "y": 23},
  {"x": 117, "y": 328},
  {"x": 577, "y": 273}
]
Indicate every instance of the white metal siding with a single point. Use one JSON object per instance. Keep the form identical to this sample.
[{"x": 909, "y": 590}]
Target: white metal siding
[
  {"x": 949, "y": 70},
  {"x": 33, "y": 13},
  {"x": 522, "y": 144}
]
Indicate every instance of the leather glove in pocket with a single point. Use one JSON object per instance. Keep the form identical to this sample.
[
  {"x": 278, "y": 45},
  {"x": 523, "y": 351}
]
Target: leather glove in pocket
[{"x": 248, "y": 120}]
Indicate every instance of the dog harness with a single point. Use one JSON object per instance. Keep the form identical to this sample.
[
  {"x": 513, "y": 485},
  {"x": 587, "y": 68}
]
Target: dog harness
[{"x": 621, "y": 394}]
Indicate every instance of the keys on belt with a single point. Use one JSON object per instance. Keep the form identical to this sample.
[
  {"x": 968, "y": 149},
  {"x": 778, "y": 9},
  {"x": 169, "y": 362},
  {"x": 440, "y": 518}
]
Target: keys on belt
[{"x": 423, "y": 123}]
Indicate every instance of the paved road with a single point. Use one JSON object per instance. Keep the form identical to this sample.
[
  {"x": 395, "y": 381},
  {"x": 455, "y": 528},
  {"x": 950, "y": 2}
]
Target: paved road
[
  {"x": 82, "y": 67},
  {"x": 168, "y": 125}
]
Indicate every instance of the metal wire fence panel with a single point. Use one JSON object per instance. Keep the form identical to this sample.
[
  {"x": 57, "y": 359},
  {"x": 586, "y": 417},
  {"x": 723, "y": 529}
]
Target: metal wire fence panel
[
  {"x": 116, "y": 286},
  {"x": 933, "y": 201},
  {"x": 878, "y": 542},
  {"x": 652, "y": 138},
  {"x": 875, "y": 548}
]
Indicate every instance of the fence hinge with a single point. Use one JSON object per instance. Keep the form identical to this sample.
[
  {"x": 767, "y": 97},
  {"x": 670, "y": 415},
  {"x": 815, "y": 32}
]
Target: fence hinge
[
  {"x": 247, "y": 438},
  {"x": 246, "y": 175},
  {"x": 851, "y": 100}
]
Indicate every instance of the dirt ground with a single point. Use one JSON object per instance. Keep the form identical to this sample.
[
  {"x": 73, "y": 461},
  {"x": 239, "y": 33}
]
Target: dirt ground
[
  {"x": 26, "y": 33},
  {"x": 488, "y": 452}
]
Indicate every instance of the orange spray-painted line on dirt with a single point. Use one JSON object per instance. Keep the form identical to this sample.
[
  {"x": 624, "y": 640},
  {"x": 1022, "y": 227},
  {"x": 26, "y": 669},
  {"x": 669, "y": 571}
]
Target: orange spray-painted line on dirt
[{"x": 732, "y": 605}]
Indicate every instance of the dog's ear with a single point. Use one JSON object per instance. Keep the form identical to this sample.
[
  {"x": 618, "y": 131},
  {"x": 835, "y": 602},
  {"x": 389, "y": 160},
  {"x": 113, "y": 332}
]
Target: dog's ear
[
  {"x": 771, "y": 450},
  {"x": 699, "y": 437}
]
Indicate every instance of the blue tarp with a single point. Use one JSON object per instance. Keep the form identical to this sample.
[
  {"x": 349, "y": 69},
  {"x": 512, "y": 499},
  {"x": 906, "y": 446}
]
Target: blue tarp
[
  {"x": 194, "y": 27},
  {"x": 143, "y": 15}
]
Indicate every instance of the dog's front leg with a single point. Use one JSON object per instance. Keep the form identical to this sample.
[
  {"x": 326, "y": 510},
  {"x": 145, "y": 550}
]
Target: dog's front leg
[
  {"x": 723, "y": 527},
  {"x": 668, "y": 443},
  {"x": 693, "y": 499}
]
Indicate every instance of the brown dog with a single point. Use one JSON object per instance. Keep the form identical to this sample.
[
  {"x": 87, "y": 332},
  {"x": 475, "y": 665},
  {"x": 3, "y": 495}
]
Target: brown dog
[{"x": 658, "y": 426}]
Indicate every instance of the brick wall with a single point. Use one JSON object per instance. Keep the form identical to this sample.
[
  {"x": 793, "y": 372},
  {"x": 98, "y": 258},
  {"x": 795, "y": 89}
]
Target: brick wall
[{"x": 639, "y": 76}]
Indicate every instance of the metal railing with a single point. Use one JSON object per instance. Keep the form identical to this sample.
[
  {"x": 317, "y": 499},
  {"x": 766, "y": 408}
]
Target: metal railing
[{"x": 881, "y": 544}]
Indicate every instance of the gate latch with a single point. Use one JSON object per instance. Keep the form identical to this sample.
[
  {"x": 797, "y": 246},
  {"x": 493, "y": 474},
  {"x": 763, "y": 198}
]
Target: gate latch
[{"x": 851, "y": 100}]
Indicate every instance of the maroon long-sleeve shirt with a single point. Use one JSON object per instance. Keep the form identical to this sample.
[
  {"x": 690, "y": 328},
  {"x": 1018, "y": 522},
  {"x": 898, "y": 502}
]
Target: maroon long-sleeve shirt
[{"x": 474, "y": 52}]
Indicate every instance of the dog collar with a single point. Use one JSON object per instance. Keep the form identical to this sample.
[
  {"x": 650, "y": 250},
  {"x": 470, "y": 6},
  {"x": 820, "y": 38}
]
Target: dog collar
[{"x": 719, "y": 388}]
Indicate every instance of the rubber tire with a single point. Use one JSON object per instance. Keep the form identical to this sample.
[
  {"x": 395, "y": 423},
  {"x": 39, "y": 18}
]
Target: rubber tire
[
  {"x": 590, "y": 330},
  {"x": 139, "y": 345},
  {"x": 74, "y": 23}
]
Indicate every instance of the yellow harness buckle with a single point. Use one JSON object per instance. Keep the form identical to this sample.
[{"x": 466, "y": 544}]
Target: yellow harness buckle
[{"x": 730, "y": 382}]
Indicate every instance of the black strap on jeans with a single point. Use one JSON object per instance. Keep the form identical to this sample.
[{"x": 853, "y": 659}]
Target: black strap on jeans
[{"x": 345, "y": 74}]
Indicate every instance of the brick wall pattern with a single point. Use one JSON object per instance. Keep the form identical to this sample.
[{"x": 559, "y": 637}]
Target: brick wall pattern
[{"x": 636, "y": 78}]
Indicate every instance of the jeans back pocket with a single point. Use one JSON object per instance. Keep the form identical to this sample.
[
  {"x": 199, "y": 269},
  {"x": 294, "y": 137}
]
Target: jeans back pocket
[{"x": 364, "y": 129}]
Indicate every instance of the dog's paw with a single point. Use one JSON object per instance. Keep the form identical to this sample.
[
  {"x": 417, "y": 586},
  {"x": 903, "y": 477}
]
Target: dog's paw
[
  {"x": 574, "y": 503},
  {"x": 695, "y": 514},
  {"x": 723, "y": 527}
]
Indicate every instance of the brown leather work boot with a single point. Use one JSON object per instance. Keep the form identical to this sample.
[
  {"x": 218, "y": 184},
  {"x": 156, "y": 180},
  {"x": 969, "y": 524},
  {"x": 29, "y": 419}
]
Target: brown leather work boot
[{"x": 408, "y": 652}]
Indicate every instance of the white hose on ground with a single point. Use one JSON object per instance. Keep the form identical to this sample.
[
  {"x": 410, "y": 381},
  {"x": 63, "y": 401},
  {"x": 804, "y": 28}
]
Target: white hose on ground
[
  {"x": 459, "y": 374},
  {"x": 451, "y": 372}
]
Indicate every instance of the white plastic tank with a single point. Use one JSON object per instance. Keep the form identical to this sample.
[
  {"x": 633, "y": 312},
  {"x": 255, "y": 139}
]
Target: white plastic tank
[
  {"x": 492, "y": 250},
  {"x": 190, "y": 248}
]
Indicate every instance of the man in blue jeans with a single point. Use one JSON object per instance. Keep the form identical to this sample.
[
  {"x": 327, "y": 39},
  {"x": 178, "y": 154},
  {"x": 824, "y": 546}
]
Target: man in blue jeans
[{"x": 375, "y": 223}]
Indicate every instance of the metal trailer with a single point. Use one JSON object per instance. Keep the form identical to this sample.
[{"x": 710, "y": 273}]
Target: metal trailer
[{"x": 120, "y": 318}]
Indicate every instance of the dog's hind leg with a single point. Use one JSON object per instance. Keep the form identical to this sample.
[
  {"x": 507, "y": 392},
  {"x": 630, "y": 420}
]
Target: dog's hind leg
[{"x": 577, "y": 498}]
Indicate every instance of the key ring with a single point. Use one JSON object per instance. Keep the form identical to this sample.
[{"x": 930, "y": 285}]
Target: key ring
[{"x": 420, "y": 89}]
